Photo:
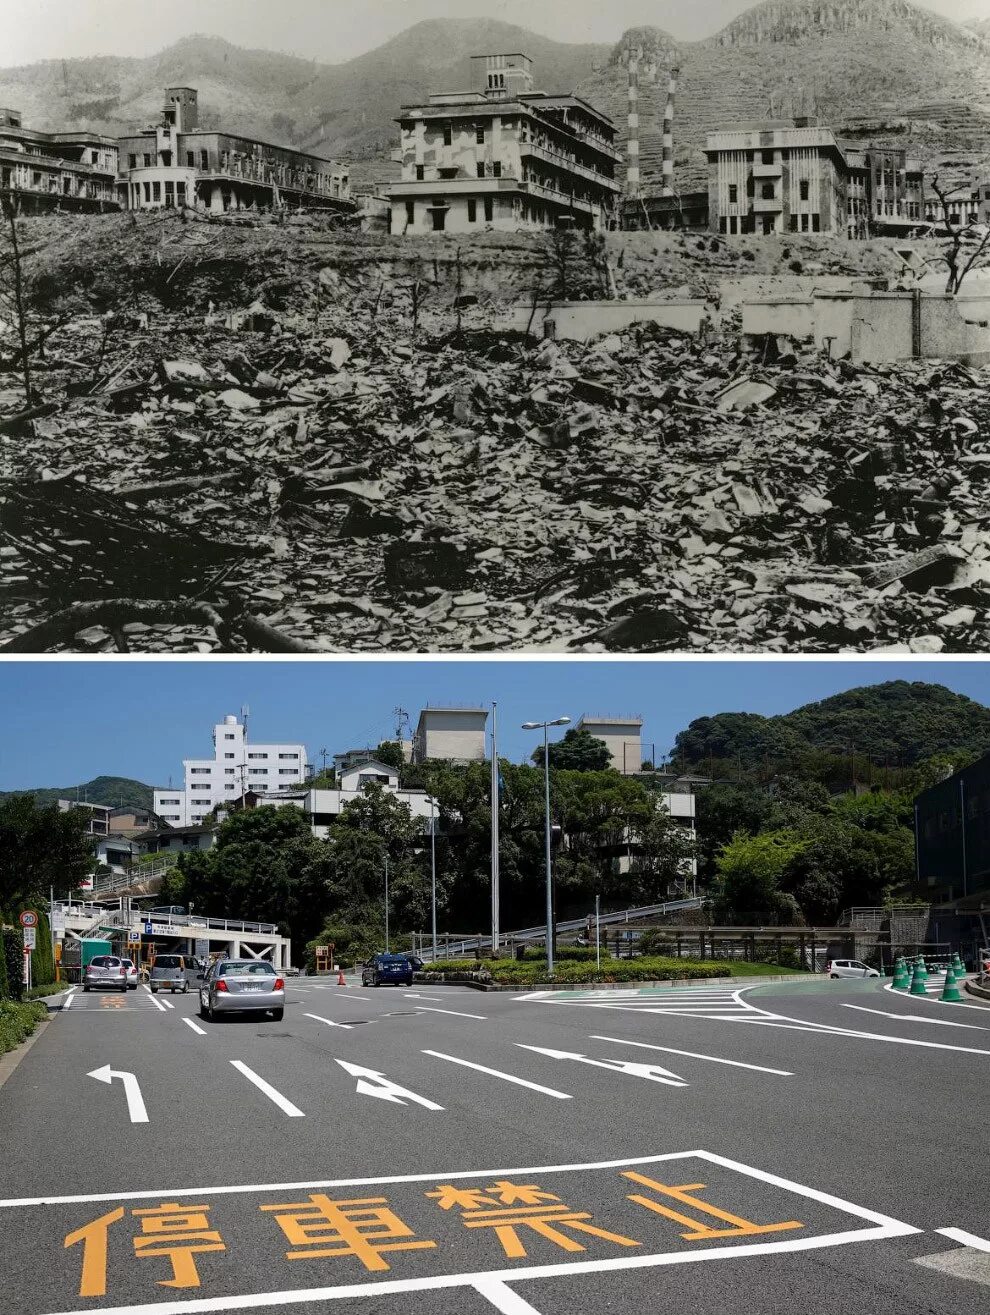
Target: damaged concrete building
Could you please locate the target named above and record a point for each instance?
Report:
(504, 156)
(177, 163)
(40, 171)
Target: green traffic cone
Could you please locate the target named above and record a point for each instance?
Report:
(902, 978)
(958, 967)
(918, 980)
(950, 991)
(921, 967)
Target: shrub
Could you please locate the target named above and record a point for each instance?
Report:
(18, 1021)
(13, 953)
(796, 267)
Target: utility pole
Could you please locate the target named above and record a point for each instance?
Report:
(495, 822)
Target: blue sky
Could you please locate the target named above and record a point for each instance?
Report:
(65, 722)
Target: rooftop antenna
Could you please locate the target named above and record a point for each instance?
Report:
(245, 713)
(401, 720)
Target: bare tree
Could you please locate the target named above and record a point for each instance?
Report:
(10, 264)
(968, 247)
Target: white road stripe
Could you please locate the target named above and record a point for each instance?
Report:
(713, 1059)
(411, 995)
(156, 1002)
(67, 1002)
(329, 1022)
(824, 1030)
(426, 1009)
(967, 1239)
(494, 1073)
(285, 1105)
(914, 1018)
(195, 1026)
(168, 1004)
(503, 1298)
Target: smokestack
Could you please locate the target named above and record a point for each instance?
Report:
(667, 162)
(632, 145)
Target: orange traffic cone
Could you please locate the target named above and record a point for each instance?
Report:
(340, 978)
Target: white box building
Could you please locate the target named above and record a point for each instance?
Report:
(456, 735)
(622, 737)
(237, 765)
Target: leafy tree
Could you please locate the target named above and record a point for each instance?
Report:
(578, 751)
(390, 753)
(749, 870)
(39, 848)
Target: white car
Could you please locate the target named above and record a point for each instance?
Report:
(850, 968)
(132, 974)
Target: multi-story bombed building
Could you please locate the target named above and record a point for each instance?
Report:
(176, 163)
(885, 192)
(504, 156)
(776, 178)
(71, 170)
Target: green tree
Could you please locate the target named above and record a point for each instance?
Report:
(578, 751)
(749, 872)
(389, 752)
(39, 848)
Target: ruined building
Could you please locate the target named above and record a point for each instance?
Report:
(177, 163)
(504, 156)
(56, 170)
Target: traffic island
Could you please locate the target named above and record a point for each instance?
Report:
(983, 992)
(511, 974)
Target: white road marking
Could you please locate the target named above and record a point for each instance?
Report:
(967, 1239)
(195, 1026)
(689, 1054)
(883, 1228)
(914, 1018)
(285, 1105)
(495, 1073)
(168, 1004)
(503, 1298)
(329, 1022)
(824, 1030)
(960, 1263)
(411, 995)
(154, 1000)
(948, 1003)
(67, 1002)
(652, 1072)
(425, 1009)
(382, 1088)
(135, 1101)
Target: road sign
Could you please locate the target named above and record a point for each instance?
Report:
(29, 939)
(148, 928)
(29, 918)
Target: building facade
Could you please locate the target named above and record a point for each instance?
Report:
(504, 157)
(56, 170)
(952, 835)
(885, 192)
(176, 164)
(621, 735)
(236, 765)
(97, 815)
(456, 735)
(776, 178)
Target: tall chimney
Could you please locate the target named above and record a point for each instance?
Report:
(632, 144)
(667, 162)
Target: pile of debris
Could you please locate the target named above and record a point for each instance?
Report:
(368, 478)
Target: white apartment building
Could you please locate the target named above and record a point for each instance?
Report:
(456, 735)
(621, 736)
(237, 765)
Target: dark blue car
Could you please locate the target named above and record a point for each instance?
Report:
(394, 968)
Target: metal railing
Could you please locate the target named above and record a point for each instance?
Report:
(468, 945)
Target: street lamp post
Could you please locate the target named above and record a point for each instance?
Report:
(386, 901)
(534, 726)
(433, 875)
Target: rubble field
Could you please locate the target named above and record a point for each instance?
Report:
(299, 450)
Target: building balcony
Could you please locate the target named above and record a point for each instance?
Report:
(568, 165)
(767, 170)
(767, 205)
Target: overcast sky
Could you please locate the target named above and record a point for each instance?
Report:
(335, 30)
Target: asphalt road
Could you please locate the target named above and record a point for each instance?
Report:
(780, 1149)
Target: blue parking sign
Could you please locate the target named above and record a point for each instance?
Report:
(147, 929)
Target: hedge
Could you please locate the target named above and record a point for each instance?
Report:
(18, 1021)
(509, 972)
(13, 954)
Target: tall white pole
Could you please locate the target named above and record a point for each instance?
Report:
(546, 802)
(495, 821)
(598, 935)
(433, 872)
(386, 901)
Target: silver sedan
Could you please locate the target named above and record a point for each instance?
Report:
(241, 986)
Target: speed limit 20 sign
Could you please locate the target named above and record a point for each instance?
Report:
(29, 918)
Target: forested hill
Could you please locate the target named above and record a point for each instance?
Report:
(901, 721)
(115, 791)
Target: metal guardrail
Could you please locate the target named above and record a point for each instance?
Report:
(468, 945)
(181, 923)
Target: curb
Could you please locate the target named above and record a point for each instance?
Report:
(973, 989)
(679, 983)
(9, 1061)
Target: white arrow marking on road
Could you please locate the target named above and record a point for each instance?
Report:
(135, 1101)
(690, 1054)
(382, 1088)
(329, 1021)
(652, 1072)
(914, 1018)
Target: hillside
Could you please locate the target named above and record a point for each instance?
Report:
(905, 722)
(117, 791)
(874, 69)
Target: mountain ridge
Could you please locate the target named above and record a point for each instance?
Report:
(115, 791)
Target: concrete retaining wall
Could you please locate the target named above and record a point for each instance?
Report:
(581, 320)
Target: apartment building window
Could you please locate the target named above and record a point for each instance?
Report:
(419, 173)
(180, 193)
(199, 771)
(767, 191)
(289, 755)
(805, 189)
(479, 134)
(147, 160)
(35, 178)
(816, 223)
(497, 169)
(199, 786)
(481, 168)
(170, 194)
(190, 159)
(489, 209)
(287, 771)
(257, 755)
(156, 191)
(229, 771)
(448, 136)
(257, 771)
(472, 209)
(170, 803)
(229, 735)
(132, 162)
(766, 157)
(733, 193)
(204, 159)
(410, 212)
